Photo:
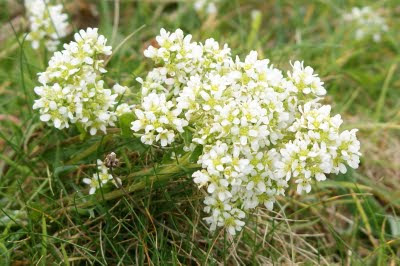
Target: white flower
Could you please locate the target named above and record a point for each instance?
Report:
(93, 183)
(47, 23)
(123, 108)
(165, 136)
(232, 220)
(102, 176)
(201, 178)
(368, 23)
(303, 184)
(305, 80)
(119, 89)
(207, 6)
(158, 119)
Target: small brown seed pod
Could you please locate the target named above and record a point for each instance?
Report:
(111, 160)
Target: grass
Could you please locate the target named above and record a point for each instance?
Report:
(47, 217)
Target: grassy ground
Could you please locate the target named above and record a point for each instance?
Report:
(46, 216)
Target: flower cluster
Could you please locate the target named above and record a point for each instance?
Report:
(72, 90)
(159, 120)
(259, 129)
(47, 23)
(101, 178)
(368, 23)
(207, 6)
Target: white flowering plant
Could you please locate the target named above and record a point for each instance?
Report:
(208, 7)
(101, 178)
(72, 90)
(257, 129)
(369, 23)
(47, 23)
(254, 130)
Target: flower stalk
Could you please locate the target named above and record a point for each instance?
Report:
(144, 177)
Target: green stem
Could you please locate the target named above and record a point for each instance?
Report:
(166, 173)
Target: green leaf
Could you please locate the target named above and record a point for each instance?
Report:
(36, 211)
(65, 169)
(394, 223)
(187, 136)
(4, 255)
(44, 241)
(125, 121)
(196, 154)
(81, 130)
